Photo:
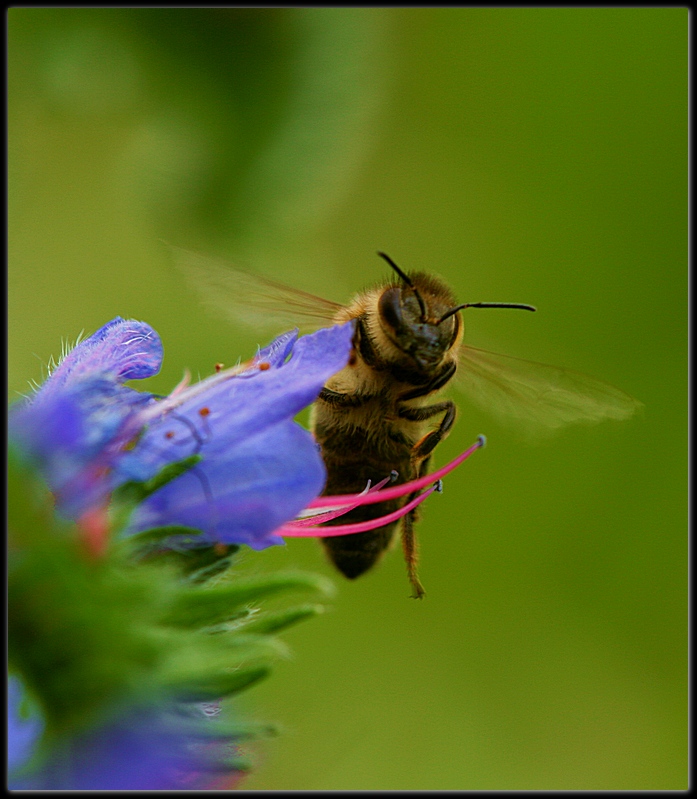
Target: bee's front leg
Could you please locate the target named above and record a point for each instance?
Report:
(431, 440)
(436, 383)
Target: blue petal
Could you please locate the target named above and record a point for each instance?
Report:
(76, 428)
(258, 470)
(244, 493)
(73, 437)
(241, 407)
(69, 429)
(123, 348)
(279, 349)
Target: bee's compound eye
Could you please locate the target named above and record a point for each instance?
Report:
(456, 323)
(390, 307)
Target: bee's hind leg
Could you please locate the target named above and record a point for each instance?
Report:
(421, 454)
(410, 543)
(411, 554)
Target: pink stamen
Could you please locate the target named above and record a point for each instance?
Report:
(382, 483)
(400, 490)
(317, 518)
(359, 527)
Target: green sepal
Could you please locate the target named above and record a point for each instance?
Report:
(166, 474)
(204, 659)
(196, 563)
(236, 730)
(217, 764)
(214, 605)
(208, 562)
(239, 762)
(219, 684)
(223, 727)
(156, 535)
(85, 633)
(199, 564)
(280, 620)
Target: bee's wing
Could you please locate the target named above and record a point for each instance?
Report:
(536, 397)
(252, 299)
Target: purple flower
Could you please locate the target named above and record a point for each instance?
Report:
(259, 468)
(165, 746)
(24, 725)
(89, 434)
(108, 453)
(70, 429)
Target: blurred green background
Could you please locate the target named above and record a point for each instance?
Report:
(526, 155)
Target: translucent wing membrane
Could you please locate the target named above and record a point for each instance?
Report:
(535, 397)
(251, 299)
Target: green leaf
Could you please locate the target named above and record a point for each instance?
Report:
(71, 634)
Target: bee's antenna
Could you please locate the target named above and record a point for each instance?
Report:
(407, 280)
(520, 306)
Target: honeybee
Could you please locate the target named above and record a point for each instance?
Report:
(377, 415)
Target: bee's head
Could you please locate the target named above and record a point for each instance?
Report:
(421, 319)
(415, 317)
